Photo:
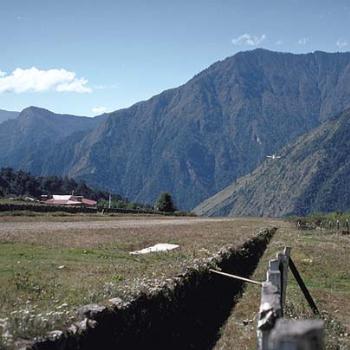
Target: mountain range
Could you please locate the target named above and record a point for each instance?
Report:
(193, 140)
(312, 175)
(6, 115)
(31, 140)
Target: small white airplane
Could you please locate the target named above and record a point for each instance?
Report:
(273, 157)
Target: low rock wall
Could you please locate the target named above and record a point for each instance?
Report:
(43, 208)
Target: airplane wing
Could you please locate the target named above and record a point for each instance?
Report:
(269, 157)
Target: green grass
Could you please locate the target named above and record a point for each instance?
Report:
(37, 280)
(42, 270)
(45, 274)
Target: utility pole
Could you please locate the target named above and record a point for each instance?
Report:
(109, 201)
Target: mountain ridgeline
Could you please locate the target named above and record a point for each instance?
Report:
(38, 139)
(6, 115)
(312, 175)
(191, 141)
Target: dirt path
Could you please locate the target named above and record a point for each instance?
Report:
(8, 227)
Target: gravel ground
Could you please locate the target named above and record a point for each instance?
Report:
(40, 226)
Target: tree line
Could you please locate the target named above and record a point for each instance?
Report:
(22, 184)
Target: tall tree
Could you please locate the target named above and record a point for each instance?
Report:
(165, 203)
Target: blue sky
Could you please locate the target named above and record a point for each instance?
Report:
(86, 56)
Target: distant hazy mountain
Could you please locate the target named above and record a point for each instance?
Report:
(28, 142)
(6, 115)
(194, 140)
(312, 175)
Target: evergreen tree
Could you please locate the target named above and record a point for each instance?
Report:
(165, 203)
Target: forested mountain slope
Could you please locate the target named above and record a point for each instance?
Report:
(195, 140)
(313, 175)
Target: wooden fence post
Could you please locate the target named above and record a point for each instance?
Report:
(303, 287)
(273, 274)
(273, 333)
(284, 265)
(270, 311)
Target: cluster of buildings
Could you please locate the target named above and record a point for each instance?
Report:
(68, 200)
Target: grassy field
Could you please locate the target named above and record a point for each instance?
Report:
(322, 258)
(50, 265)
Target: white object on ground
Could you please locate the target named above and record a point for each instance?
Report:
(159, 247)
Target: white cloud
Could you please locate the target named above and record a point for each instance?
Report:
(76, 85)
(99, 110)
(248, 39)
(341, 43)
(36, 80)
(279, 42)
(303, 41)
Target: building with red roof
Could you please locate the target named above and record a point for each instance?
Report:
(70, 200)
